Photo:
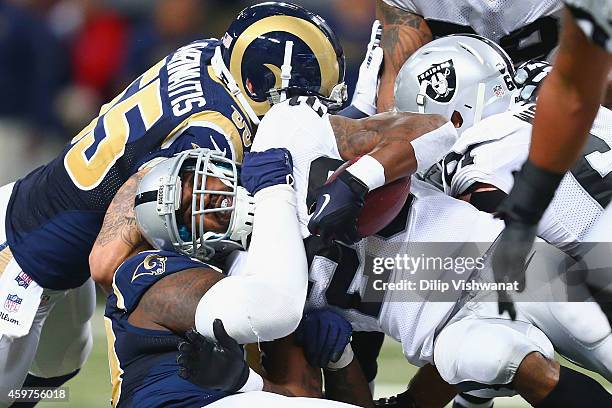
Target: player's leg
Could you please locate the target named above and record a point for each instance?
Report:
(597, 259)
(578, 330)
(22, 313)
(17, 353)
(270, 400)
(494, 356)
(65, 341)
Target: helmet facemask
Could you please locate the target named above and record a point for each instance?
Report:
(187, 222)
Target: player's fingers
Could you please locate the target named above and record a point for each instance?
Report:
(331, 354)
(183, 373)
(185, 347)
(377, 57)
(183, 360)
(221, 335)
(376, 30)
(195, 338)
(323, 347)
(299, 332)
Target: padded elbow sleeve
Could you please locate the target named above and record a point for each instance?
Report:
(251, 309)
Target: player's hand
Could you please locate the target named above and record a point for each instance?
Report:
(529, 76)
(268, 168)
(364, 97)
(534, 188)
(324, 335)
(403, 400)
(510, 259)
(216, 365)
(339, 204)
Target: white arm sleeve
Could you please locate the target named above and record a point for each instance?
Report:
(432, 146)
(266, 301)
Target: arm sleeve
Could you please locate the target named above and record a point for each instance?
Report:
(265, 302)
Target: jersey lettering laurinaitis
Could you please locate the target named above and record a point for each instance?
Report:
(56, 211)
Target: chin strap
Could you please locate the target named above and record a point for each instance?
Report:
(480, 103)
(286, 70)
(420, 97)
(241, 224)
(228, 80)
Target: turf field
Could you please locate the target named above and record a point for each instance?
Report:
(91, 388)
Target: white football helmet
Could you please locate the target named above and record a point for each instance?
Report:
(467, 74)
(157, 205)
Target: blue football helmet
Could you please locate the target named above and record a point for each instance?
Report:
(277, 50)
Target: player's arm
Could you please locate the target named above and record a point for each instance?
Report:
(392, 145)
(567, 104)
(569, 100)
(119, 237)
(348, 385)
(325, 338)
(285, 365)
(403, 33)
(267, 298)
(391, 139)
(171, 304)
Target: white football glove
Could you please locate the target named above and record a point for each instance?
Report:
(364, 98)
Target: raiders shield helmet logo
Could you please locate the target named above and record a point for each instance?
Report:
(440, 81)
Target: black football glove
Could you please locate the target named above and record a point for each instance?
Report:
(521, 211)
(339, 204)
(212, 365)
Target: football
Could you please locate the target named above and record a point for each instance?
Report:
(381, 205)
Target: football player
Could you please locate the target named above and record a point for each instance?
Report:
(567, 105)
(526, 29)
(204, 94)
(479, 170)
(480, 97)
(159, 295)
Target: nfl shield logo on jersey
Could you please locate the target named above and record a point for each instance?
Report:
(440, 80)
(23, 279)
(12, 303)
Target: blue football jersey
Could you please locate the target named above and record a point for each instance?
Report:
(144, 372)
(56, 211)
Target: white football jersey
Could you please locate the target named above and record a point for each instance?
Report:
(526, 29)
(594, 17)
(498, 145)
(344, 278)
(339, 277)
(301, 125)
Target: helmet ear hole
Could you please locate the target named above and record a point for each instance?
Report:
(457, 119)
